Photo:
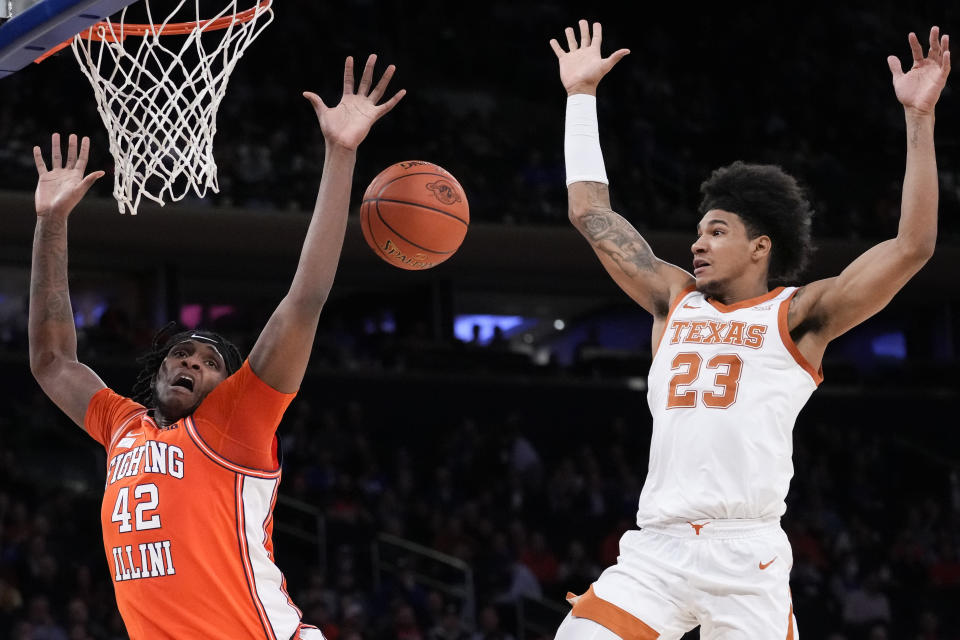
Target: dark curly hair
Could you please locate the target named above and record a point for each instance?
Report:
(164, 339)
(771, 203)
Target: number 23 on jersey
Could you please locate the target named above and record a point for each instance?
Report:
(688, 367)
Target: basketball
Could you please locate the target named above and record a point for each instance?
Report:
(414, 215)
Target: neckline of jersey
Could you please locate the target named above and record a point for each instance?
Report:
(749, 302)
(156, 423)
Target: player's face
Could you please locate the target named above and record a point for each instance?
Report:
(190, 371)
(722, 250)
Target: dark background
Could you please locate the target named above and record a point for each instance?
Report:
(524, 456)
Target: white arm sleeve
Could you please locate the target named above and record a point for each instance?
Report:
(581, 141)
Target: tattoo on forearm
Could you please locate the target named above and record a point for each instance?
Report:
(914, 134)
(49, 291)
(610, 233)
(596, 224)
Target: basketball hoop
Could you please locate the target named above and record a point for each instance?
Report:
(159, 103)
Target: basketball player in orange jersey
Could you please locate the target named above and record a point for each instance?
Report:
(192, 475)
(734, 362)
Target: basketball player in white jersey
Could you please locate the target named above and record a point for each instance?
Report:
(734, 362)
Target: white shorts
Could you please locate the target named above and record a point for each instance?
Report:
(731, 577)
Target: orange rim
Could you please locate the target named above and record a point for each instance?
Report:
(169, 29)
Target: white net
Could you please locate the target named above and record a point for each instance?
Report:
(158, 87)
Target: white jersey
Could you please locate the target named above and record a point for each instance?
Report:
(725, 387)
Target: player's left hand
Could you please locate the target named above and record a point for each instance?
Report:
(347, 124)
(920, 87)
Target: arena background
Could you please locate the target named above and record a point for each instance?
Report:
(443, 484)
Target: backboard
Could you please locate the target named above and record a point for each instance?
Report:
(33, 30)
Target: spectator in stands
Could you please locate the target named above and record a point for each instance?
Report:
(489, 626)
(450, 626)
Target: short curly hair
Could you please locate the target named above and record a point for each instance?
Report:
(163, 341)
(770, 202)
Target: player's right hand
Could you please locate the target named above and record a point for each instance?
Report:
(63, 186)
(582, 67)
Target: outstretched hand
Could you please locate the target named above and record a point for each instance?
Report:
(63, 186)
(582, 68)
(920, 87)
(348, 123)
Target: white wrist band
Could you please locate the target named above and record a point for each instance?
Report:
(581, 141)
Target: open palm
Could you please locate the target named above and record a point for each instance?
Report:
(920, 87)
(582, 67)
(63, 186)
(348, 123)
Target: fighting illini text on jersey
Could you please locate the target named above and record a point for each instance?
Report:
(188, 533)
(725, 387)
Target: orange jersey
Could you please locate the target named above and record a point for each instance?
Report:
(187, 532)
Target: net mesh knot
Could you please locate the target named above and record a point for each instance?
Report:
(158, 88)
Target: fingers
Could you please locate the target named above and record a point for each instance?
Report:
(939, 50)
(586, 40)
(391, 103)
(87, 182)
(56, 161)
(75, 160)
(615, 57)
(895, 67)
(315, 101)
(381, 87)
(71, 151)
(944, 54)
(81, 160)
(584, 33)
(38, 158)
(348, 76)
(363, 89)
(915, 48)
(935, 42)
(557, 49)
(367, 76)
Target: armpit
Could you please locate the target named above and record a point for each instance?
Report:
(801, 319)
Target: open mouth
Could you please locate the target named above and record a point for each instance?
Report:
(699, 265)
(183, 381)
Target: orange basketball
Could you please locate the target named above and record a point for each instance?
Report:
(414, 215)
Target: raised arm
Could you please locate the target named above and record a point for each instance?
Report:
(832, 306)
(626, 256)
(52, 335)
(280, 354)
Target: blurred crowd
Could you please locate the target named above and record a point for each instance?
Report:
(812, 99)
(530, 485)
(527, 472)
